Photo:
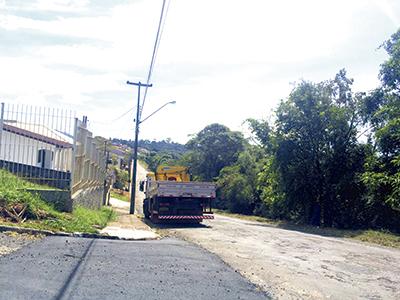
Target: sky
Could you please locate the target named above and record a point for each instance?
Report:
(221, 60)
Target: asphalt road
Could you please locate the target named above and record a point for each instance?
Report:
(79, 268)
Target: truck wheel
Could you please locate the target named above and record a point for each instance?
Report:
(154, 218)
(146, 209)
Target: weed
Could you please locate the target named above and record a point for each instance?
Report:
(40, 215)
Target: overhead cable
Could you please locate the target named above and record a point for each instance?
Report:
(160, 29)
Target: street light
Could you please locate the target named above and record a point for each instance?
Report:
(135, 150)
(157, 110)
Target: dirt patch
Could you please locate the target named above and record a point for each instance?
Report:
(297, 265)
(11, 241)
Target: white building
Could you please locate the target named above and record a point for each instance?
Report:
(36, 145)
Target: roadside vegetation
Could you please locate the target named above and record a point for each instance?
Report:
(326, 157)
(17, 206)
(120, 195)
(379, 237)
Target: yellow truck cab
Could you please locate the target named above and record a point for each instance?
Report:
(173, 173)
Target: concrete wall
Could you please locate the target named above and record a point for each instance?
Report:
(91, 197)
(63, 201)
(60, 199)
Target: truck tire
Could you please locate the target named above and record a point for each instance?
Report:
(154, 218)
(146, 209)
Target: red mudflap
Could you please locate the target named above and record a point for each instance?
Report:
(185, 217)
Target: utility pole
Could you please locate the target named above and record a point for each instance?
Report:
(106, 190)
(1, 125)
(135, 149)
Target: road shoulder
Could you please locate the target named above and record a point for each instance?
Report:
(11, 241)
(127, 226)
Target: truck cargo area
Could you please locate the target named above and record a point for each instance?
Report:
(176, 199)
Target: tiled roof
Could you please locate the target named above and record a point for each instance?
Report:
(53, 140)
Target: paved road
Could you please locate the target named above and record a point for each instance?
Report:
(296, 265)
(78, 268)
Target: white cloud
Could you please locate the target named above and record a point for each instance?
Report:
(222, 61)
(387, 7)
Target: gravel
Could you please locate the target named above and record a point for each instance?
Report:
(12, 241)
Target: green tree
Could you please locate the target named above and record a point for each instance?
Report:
(382, 113)
(212, 149)
(314, 157)
(237, 184)
(121, 178)
(155, 159)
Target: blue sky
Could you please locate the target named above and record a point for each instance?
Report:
(222, 61)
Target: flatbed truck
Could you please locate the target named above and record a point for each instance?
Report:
(170, 195)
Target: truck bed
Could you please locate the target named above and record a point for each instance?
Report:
(183, 189)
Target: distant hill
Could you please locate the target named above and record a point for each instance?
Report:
(156, 146)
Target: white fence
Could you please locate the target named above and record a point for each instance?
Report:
(50, 146)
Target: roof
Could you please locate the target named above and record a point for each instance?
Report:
(40, 133)
(118, 152)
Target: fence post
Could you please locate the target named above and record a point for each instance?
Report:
(1, 125)
(73, 160)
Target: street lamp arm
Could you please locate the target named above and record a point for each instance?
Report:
(157, 110)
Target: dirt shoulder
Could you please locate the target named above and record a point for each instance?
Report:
(379, 237)
(298, 265)
(12, 241)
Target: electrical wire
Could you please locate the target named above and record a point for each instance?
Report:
(108, 122)
(155, 49)
(152, 63)
(124, 114)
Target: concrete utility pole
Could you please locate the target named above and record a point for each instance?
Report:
(135, 149)
(1, 124)
(106, 191)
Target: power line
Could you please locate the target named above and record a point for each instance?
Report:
(124, 114)
(160, 30)
(108, 122)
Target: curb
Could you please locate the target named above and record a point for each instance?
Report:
(33, 231)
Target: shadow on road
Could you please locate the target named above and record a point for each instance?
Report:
(174, 225)
(321, 231)
(62, 294)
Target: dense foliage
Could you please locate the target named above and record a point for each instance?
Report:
(153, 159)
(213, 148)
(330, 157)
(121, 178)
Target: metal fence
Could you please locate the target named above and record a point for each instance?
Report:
(49, 146)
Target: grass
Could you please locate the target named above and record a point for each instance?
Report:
(246, 217)
(118, 196)
(81, 220)
(143, 164)
(8, 180)
(40, 215)
(383, 238)
(379, 237)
